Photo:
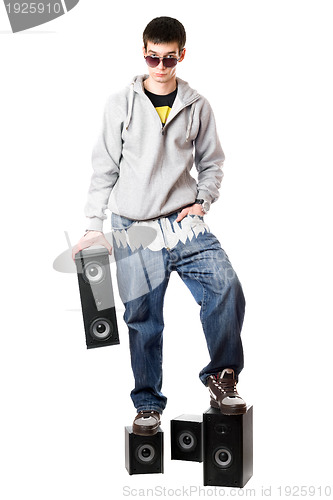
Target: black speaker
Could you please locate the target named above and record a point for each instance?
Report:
(143, 454)
(186, 438)
(228, 448)
(97, 301)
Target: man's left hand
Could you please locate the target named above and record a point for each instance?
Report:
(194, 209)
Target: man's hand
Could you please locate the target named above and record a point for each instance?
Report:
(194, 209)
(89, 239)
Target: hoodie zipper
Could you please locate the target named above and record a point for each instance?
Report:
(181, 109)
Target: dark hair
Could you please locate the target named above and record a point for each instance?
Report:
(165, 30)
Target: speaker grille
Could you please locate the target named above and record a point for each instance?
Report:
(97, 301)
(228, 448)
(186, 438)
(143, 454)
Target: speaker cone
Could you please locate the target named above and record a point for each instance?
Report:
(93, 272)
(101, 329)
(187, 441)
(145, 453)
(222, 458)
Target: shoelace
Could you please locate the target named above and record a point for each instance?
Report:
(226, 384)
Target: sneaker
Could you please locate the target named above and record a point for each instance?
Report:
(146, 423)
(223, 393)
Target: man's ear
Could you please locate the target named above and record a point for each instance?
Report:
(144, 51)
(182, 55)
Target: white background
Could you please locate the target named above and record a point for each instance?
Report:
(265, 66)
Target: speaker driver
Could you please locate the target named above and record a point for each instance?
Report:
(93, 272)
(146, 453)
(222, 458)
(187, 441)
(101, 329)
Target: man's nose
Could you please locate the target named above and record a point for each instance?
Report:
(161, 65)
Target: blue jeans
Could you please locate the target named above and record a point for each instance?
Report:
(143, 273)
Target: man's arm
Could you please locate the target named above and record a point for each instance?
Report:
(209, 156)
(209, 159)
(105, 162)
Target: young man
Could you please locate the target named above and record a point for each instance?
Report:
(153, 133)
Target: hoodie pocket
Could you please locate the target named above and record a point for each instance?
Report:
(119, 222)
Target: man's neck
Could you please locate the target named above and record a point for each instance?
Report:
(160, 88)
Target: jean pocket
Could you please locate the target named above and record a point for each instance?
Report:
(119, 222)
(201, 217)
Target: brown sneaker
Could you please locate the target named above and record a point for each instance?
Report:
(146, 423)
(223, 393)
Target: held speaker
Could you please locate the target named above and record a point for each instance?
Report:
(97, 301)
(143, 454)
(228, 448)
(186, 438)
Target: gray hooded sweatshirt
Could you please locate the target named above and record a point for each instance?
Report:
(141, 170)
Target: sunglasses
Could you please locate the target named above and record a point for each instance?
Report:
(154, 61)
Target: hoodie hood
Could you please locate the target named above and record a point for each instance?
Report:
(186, 96)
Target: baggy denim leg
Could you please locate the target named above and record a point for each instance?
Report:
(142, 282)
(206, 270)
(144, 318)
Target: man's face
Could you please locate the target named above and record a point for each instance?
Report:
(161, 74)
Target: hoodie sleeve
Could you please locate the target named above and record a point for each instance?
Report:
(209, 157)
(105, 162)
